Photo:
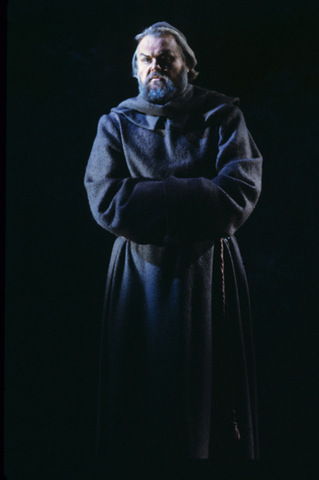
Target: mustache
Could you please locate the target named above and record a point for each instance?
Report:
(155, 74)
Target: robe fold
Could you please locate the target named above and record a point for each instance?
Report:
(173, 183)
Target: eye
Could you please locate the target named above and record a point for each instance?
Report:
(167, 60)
(145, 60)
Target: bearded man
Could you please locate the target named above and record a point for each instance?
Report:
(173, 173)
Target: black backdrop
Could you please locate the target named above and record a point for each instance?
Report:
(68, 63)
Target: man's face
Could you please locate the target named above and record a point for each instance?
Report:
(161, 70)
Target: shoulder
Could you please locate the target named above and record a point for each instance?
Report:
(108, 119)
(109, 130)
(109, 123)
(211, 99)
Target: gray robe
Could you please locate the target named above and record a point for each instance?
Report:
(177, 366)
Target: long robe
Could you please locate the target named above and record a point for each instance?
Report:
(173, 183)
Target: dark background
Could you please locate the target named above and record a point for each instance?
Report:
(68, 63)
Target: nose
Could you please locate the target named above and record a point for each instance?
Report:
(155, 65)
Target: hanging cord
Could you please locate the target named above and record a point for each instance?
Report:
(222, 269)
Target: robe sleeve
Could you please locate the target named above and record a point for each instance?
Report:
(134, 208)
(175, 210)
(200, 208)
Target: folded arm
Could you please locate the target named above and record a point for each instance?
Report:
(174, 210)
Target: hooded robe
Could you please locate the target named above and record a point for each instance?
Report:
(173, 183)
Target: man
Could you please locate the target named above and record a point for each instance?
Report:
(173, 173)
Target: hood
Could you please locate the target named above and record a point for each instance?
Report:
(193, 100)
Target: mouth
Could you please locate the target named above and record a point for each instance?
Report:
(156, 78)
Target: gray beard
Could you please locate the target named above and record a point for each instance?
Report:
(166, 92)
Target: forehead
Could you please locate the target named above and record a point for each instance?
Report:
(150, 45)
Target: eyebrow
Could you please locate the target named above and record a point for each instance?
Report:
(161, 53)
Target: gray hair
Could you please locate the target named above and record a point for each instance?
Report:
(160, 30)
